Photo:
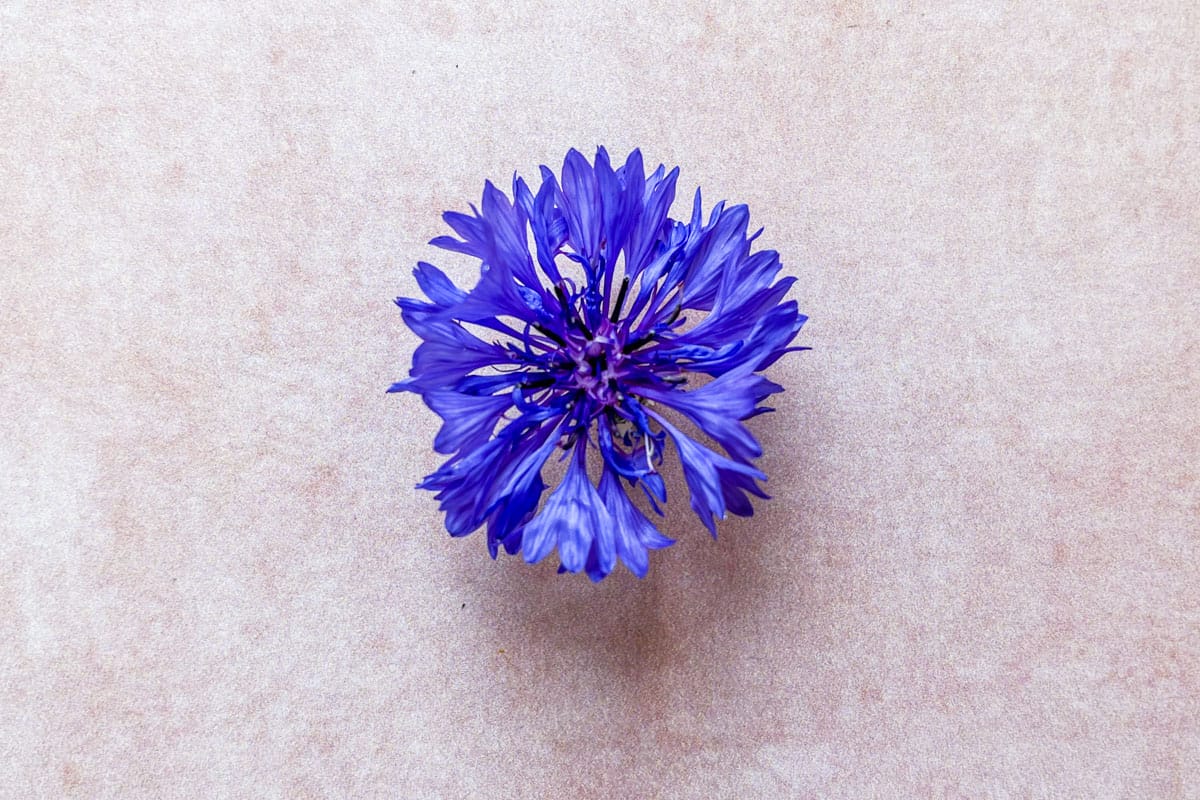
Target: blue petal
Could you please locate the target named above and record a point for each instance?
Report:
(634, 465)
(546, 221)
(509, 245)
(504, 523)
(572, 518)
(766, 343)
(602, 554)
(458, 484)
(717, 407)
(449, 351)
(467, 483)
(670, 353)
(714, 256)
(580, 201)
(467, 418)
(413, 305)
(526, 470)
(622, 201)
(436, 286)
(489, 384)
(733, 323)
(733, 486)
(471, 229)
(496, 294)
(754, 272)
(644, 234)
(634, 533)
(704, 472)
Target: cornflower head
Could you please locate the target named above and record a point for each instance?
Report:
(586, 352)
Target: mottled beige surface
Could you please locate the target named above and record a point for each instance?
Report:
(980, 574)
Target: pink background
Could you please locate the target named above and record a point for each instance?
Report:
(979, 574)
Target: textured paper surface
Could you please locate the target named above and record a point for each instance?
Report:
(978, 577)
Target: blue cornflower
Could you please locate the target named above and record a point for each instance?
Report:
(586, 352)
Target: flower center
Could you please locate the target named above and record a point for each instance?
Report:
(598, 365)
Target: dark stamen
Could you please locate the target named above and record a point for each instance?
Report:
(636, 343)
(549, 334)
(674, 315)
(616, 312)
(569, 311)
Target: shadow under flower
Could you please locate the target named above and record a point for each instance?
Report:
(682, 638)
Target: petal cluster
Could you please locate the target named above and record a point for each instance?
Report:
(597, 325)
